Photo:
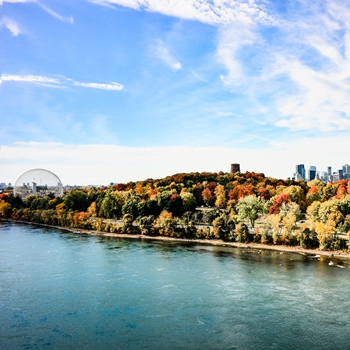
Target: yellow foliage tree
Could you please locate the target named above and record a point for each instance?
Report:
(5, 209)
(272, 223)
(220, 193)
(288, 225)
(92, 209)
(165, 224)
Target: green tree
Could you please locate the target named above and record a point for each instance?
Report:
(251, 208)
(111, 204)
(163, 198)
(76, 200)
(188, 201)
(15, 201)
(131, 205)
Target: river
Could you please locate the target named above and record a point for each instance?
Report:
(60, 290)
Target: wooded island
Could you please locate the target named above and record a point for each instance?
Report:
(239, 207)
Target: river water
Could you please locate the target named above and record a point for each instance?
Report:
(60, 290)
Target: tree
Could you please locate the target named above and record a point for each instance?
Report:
(174, 205)
(165, 224)
(109, 207)
(76, 200)
(324, 218)
(146, 225)
(188, 201)
(5, 209)
(290, 208)
(341, 191)
(313, 195)
(14, 201)
(207, 196)
(274, 205)
(240, 191)
(163, 198)
(111, 204)
(131, 205)
(251, 208)
(295, 194)
(92, 209)
(220, 194)
(128, 226)
(151, 208)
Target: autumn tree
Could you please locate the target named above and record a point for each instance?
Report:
(165, 224)
(275, 203)
(324, 219)
(5, 209)
(240, 191)
(208, 197)
(220, 194)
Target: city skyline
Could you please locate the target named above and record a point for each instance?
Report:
(329, 174)
(103, 91)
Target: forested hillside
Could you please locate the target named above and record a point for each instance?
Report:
(232, 207)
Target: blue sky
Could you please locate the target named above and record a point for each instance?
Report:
(106, 91)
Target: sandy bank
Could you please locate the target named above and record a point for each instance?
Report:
(291, 249)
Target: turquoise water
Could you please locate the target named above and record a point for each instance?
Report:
(60, 290)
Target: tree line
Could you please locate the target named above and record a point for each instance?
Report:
(242, 207)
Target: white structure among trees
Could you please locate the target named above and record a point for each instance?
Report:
(39, 182)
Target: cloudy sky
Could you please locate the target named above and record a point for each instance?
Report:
(102, 91)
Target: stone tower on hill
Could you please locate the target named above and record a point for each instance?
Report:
(235, 167)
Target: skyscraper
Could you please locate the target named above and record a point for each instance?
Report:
(312, 173)
(300, 172)
(346, 171)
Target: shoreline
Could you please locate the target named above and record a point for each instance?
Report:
(216, 242)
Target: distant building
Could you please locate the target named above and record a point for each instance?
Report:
(312, 173)
(300, 172)
(323, 176)
(39, 182)
(34, 188)
(235, 167)
(340, 172)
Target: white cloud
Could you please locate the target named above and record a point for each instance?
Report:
(318, 98)
(36, 79)
(101, 163)
(231, 40)
(11, 25)
(17, 1)
(45, 8)
(199, 77)
(102, 3)
(162, 52)
(60, 82)
(55, 14)
(110, 86)
(214, 12)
